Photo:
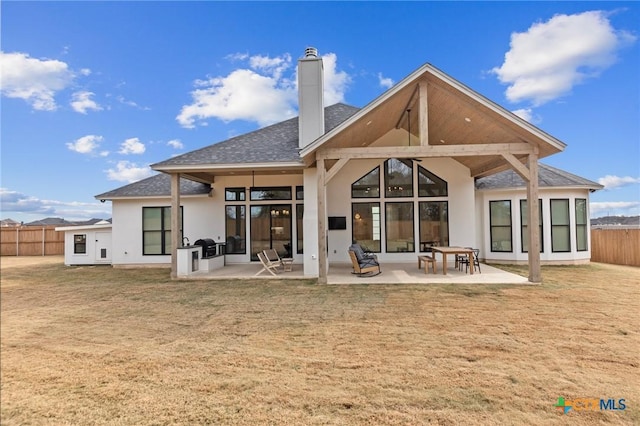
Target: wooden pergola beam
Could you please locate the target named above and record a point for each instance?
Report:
(425, 151)
(423, 115)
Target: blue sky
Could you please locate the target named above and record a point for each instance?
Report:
(95, 92)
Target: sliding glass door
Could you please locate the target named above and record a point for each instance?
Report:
(271, 228)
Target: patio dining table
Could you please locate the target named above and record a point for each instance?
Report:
(455, 251)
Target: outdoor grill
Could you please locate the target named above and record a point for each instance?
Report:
(208, 247)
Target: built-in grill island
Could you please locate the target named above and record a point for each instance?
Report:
(208, 247)
(205, 255)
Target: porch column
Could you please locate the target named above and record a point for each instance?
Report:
(310, 222)
(535, 275)
(322, 219)
(175, 223)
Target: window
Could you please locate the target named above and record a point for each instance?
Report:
(366, 225)
(500, 225)
(560, 232)
(524, 229)
(271, 193)
(398, 178)
(399, 227)
(234, 194)
(434, 224)
(80, 244)
(581, 224)
(235, 228)
(156, 230)
(430, 185)
(299, 228)
(368, 186)
(299, 192)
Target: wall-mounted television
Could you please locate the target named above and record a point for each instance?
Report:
(337, 222)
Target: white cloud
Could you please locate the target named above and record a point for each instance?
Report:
(524, 113)
(16, 202)
(335, 82)
(132, 146)
(126, 171)
(86, 145)
(175, 143)
(385, 82)
(550, 58)
(261, 93)
(34, 80)
(611, 182)
(614, 208)
(82, 102)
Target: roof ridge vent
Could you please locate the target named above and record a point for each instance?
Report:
(310, 52)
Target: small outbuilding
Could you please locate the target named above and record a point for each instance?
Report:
(87, 244)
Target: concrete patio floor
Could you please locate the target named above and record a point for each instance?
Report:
(392, 273)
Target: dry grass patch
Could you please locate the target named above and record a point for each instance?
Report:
(111, 346)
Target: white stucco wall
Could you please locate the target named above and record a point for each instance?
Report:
(127, 227)
(545, 195)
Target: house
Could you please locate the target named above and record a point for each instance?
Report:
(429, 162)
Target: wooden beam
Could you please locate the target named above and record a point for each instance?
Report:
(518, 167)
(423, 115)
(322, 219)
(471, 150)
(175, 223)
(335, 169)
(535, 275)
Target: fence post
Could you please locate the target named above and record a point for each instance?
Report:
(17, 242)
(43, 241)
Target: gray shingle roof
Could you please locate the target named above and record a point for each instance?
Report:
(272, 144)
(158, 185)
(547, 177)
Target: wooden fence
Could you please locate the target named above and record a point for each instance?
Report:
(617, 246)
(31, 241)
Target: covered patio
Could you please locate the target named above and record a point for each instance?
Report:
(392, 273)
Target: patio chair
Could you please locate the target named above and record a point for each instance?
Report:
(267, 265)
(464, 260)
(273, 256)
(363, 265)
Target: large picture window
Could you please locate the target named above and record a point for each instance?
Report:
(500, 225)
(581, 224)
(524, 228)
(399, 227)
(236, 226)
(368, 186)
(366, 225)
(434, 224)
(560, 231)
(156, 230)
(398, 178)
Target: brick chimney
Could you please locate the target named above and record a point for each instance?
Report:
(310, 97)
